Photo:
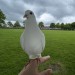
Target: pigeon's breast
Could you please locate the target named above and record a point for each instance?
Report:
(33, 43)
(32, 38)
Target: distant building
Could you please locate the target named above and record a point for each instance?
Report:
(46, 28)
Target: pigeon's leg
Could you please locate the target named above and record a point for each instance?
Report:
(38, 60)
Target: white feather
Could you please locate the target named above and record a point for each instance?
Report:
(32, 39)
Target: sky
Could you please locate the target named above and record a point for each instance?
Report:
(47, 11)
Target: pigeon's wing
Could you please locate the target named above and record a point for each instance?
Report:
(22, 40)
(43, 41)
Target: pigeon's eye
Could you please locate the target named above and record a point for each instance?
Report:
(31, 13)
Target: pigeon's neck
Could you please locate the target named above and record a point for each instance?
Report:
(31, 22)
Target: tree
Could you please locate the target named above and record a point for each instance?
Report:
(41, 24)
(57, 25)
(10, 24)
(73, 25)
(62, 25)
(68, 26)
(52, 25)
(2, 18)
(0, 25)
(17, 24)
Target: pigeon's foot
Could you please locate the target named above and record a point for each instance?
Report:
(36, 59)
(31, 60)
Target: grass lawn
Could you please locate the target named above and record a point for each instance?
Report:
(60, 45)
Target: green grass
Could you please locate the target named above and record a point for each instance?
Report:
(60, 45)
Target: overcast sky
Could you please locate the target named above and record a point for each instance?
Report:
(47, 11)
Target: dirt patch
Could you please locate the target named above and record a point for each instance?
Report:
(57, 68)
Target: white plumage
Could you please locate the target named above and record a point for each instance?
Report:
(32, 39)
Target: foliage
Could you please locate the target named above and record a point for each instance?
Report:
(52, 25)
(41, 24)
(17, 24)
(2, 18)
(62, 25)
(67, 26)
(73, 25)
(57, 25)
(10, 24)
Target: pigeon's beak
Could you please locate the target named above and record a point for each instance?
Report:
(25, 16)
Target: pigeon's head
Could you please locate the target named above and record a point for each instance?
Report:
(28, 14)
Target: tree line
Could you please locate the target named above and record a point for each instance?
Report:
(9, 24)
(67, 26)
(62, 26)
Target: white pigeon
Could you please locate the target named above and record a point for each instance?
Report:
(32, 39)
